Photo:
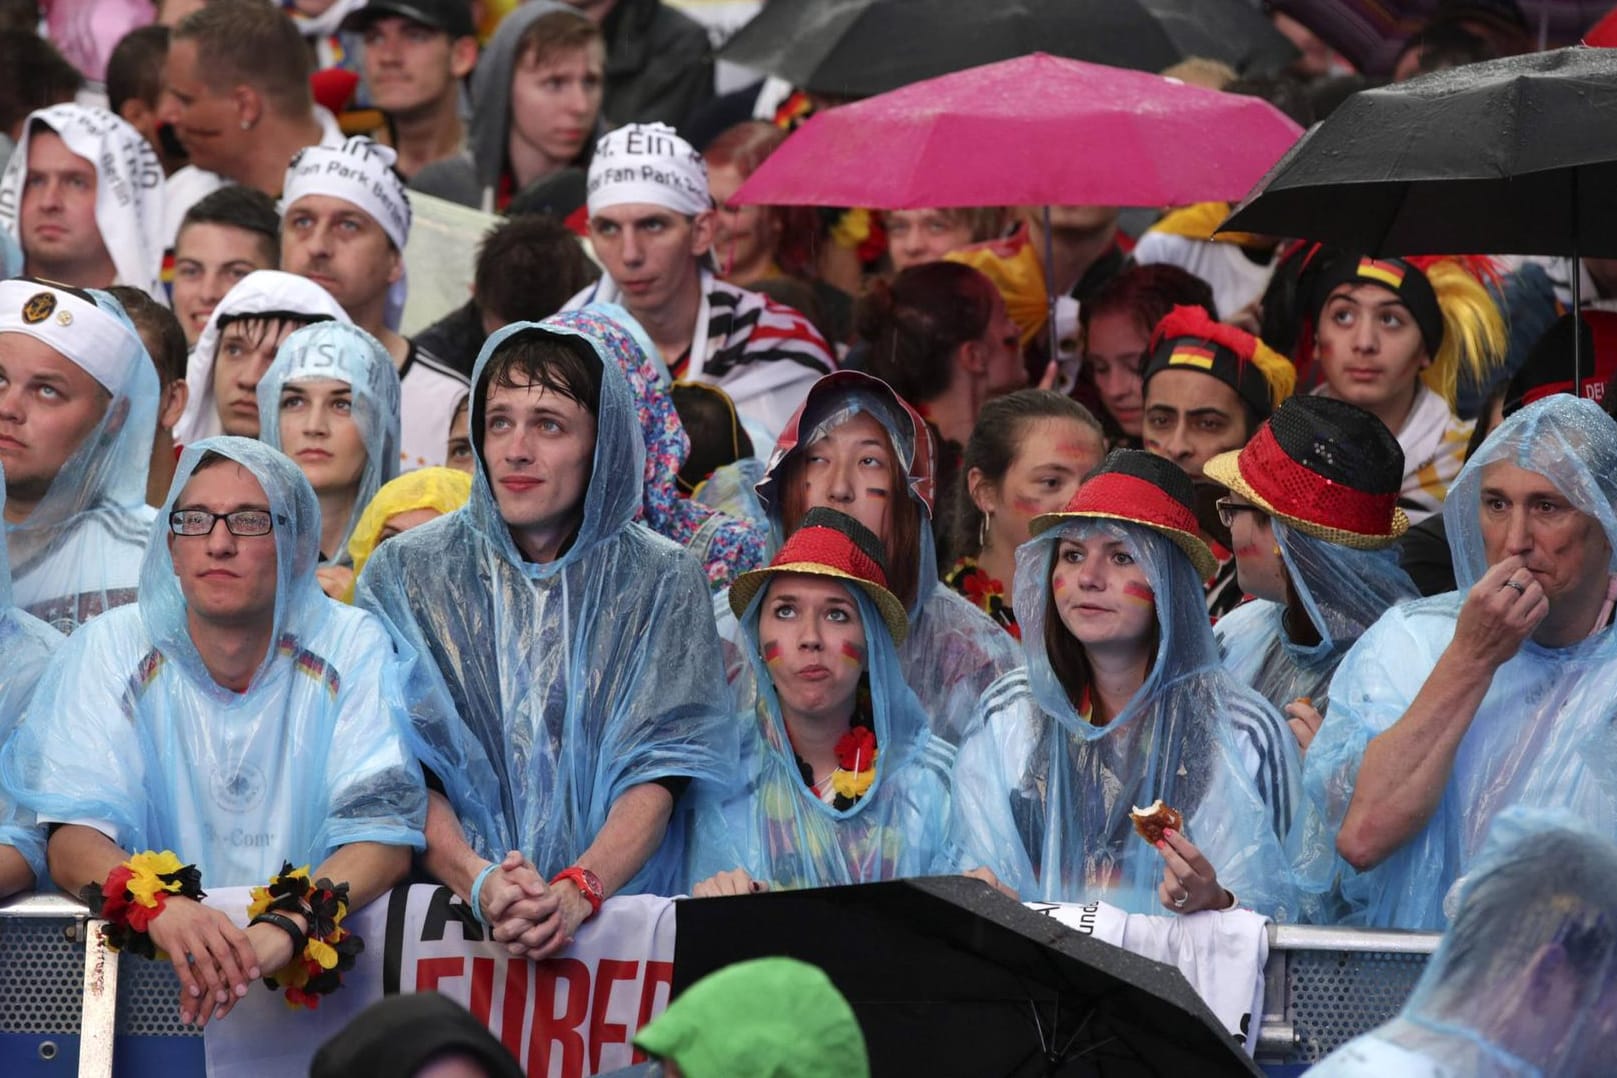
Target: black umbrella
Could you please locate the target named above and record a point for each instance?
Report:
(950, 977)
(857, 48)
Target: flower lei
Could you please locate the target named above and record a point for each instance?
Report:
(135, 893)
(984, 592)
(856, 756)
(330, 949)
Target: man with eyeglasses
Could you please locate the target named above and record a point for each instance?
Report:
(235, 716)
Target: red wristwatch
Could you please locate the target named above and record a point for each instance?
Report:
(588, 883)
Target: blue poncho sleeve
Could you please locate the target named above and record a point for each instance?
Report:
(27, 644)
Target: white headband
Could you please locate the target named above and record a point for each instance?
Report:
(648, 163)
(359, 171)
(106, 347)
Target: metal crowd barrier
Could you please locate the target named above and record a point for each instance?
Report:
(60, 1016)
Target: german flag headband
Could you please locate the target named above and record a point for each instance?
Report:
(1394, 274)
(1188, 338)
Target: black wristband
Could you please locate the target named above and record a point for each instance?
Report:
(300, 938)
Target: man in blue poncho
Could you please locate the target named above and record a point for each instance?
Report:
(234, 716)
(1453, 708)
(78, 409)
(569, 685)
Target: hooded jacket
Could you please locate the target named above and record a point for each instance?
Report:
(659, 64)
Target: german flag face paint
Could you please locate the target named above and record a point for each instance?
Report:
(1136, 592)
(771, 652)
(852, 653)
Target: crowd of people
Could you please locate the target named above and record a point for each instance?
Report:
(711, 549)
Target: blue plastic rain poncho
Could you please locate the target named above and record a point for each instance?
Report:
(953, 651)
(725, 546)
(770, 823)
(544, 691)
(1343, 592)
(1525, 980)
(344, 353)
(1042, 797)
(26, 644)
(130, 732)
(1541, 735)
(79, 551)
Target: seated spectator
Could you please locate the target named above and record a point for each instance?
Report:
(835, 728)
(135, 88)
(415, 57)
(83, 196)
(346, 222)
(855, 447)
(239, 343)
(405, 502)
(917, 236)
(1027, 455)
(717, 438)
(330, 401)
(78, 405)
(160, 333)
(224, 237)
(568, 685)
(536, 109)
(415, 1035)
(1452, 709)
(1124, 703)
(1393, 337)
(659, 60)
(653, 235)
(1312, 507)
(1524, 979)
(458, 454)
(127, 747)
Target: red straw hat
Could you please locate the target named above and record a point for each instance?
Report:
(1141, 488)
(829, 544)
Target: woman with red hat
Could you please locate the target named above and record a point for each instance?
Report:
(1124, 703)
(854, 446)
(841, 780)
(1313, 512)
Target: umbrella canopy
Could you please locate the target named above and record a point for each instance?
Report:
(1035, 131)
(1503, 157)
(948, 976)
(856, 48)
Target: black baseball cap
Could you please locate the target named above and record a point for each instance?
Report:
(454, 17)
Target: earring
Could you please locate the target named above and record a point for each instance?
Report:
(245, 126)
(982, 531)
(1277, 550)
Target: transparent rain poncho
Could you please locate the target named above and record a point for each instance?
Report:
(129, 732)
(79, 552)
(771, 824)
(1343, 592)
(953, 651)
(544, 691)
(1042, 797)
(27, 644)
(1541, 736)
(343, 353)
(1525, 980)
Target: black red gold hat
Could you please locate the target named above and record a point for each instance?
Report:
(1328, 468)
(1397, 275)
(1140, 488)
(829, 544)
(1188, 338)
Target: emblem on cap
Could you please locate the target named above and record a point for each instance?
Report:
(39, 307)
(64, 318)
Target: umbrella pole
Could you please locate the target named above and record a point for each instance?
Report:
(1577, 298)
(1050, 285)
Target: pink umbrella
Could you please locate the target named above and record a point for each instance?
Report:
(1035, 131)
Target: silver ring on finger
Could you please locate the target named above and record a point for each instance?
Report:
(1179, 903)
(1517, 585)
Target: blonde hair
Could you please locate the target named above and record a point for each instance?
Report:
(1474, 333)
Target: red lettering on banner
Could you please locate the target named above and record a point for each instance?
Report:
(516, 1005)
(482, 998)
(429, 971)
(607, 972)
(658, 974)
(550, 1028)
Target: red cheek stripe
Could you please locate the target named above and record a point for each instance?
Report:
(1139, 592)
(771, 651)
(853, 653)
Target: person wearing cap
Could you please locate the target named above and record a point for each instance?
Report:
(1394, 337)
(83, 195)
(414, 1035)
(841, 779)
(569, 687)
(330, 401)
(651, 223)
(1207, 386)
(417, 52)
(856, 447)
(345, 223)
(1312, 510)
(78, 409)
(1451, 709)
(1124, 703)
(234, 716)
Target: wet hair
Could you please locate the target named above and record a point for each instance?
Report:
(554, 33)
(915, 324)
(250, 42)
(135, 68)
(159, 331)
(528, 267)
(996, 440)
(257, 325)
(33, 75)
(240, 207)
(534, 358)
(1147, 294)
(716, 434)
